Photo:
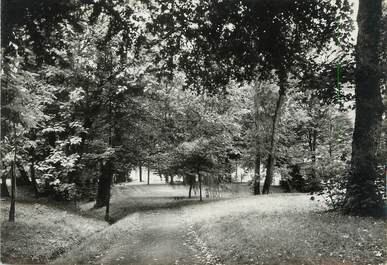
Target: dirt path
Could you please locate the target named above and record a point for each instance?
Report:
(168, 236)
(160, 239)
(157, 237)
(273, 229)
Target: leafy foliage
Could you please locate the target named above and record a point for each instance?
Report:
(184, 88)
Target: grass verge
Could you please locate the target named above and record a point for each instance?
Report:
(41, 233)
(292, 238)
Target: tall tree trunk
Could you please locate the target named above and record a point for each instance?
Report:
(107, 169)
(330, 138)
(103, 186)
(257, 127)
(257, 174)
(109, 172)
(200, 186)
(13, 194)
(140, 169)
(148, 177)
(273, 135)
(160, 174)
(362, 196)
(190, 190)
(236, 171)
(290, 188)
(13, 180)
(171, 180)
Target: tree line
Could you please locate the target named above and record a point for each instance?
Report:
(91, 90)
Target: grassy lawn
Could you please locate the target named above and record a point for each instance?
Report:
(154, 228)
(127, 198)
(293, 237)
(41, 232)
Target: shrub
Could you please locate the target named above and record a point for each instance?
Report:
(291, 179)
(333, 175)
(63, 191)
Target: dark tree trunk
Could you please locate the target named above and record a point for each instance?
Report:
(290, 188)
(190, 190)
(166, 179)
(330, 139)
(4, 188)
(273, 134)
(13, 194)
(148, 177)
(109, 172)
(140, 169)
(257, 162)
(236, 171)
(104, 182)
(257, 175)
(200, 186)
(362, 196)
(171, 180)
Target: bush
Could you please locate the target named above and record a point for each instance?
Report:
(63, 191)
(334, 176)
(285, 185)
(291, 179)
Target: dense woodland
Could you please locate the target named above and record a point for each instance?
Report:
(93, 89)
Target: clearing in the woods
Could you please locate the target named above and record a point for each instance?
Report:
(165, 229)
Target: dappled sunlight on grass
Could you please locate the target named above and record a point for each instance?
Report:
(294, 237)
(41, 232)
(273, 229)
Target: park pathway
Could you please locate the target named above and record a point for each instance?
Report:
(169, 236)
(162, 238)
(156, 237)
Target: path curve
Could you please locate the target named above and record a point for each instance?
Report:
(168, 236)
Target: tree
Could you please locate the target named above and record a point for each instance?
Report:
(312, 136)
(27, 40)
(196, 161)
(256, 127)
(234, 39)
(23, 101)
(362, 196)
(273, 133)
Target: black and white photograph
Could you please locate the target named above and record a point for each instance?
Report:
(193, 132)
